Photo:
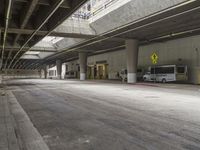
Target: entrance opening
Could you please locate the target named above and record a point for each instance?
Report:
(102, 71)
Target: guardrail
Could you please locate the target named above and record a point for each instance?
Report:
(85, 15)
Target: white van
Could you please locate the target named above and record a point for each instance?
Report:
(167, 73)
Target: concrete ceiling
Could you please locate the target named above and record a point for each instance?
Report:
(23, 23)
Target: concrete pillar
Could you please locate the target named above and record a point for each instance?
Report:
(59, 68)
(40, 73)
(83, 65)
(1, 72)
(1, 63)
(45, 72)
(1, 79)
(132, 60)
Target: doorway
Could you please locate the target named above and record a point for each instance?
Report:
(102, 71)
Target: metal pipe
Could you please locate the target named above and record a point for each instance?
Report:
(6, 29)
(151, 23)
(33, 34)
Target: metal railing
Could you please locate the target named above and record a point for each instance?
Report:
(85, 15)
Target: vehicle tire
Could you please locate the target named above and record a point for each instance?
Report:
(164, 80)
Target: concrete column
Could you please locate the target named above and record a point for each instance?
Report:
(132, 60)
(59, 68)
(1, 79)
(83, 65)
(40, 73)
(1, 63)
(45, 72)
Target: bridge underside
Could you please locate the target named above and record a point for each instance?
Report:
(175, 22)
(24, 23)
(170, 24)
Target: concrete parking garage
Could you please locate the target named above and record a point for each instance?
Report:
(86, 75)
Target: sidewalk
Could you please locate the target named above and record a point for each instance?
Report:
(16, 130)
(8, 140)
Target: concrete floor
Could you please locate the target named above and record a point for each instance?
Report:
(94, 115)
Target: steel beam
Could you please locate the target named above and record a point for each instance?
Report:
(26, 16)
(42, 33)
(46, 3)
(24, 20)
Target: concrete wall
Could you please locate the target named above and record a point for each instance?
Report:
(181, 51)
(116, 62)
(20, 73)
(131, 11)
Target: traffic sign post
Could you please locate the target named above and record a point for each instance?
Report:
(154, 59)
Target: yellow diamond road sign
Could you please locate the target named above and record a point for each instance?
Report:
(154, 62)
(154, 58)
